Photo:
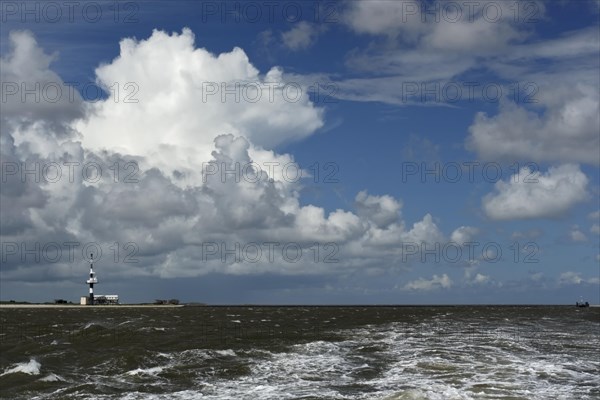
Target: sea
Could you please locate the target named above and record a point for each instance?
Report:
(301, 352)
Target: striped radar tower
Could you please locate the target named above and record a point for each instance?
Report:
(91, 280)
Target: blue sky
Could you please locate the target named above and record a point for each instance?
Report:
(505, 91)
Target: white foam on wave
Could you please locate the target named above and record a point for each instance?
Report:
(146, 371)
(152, 328)
(181, 395)
(52, 378)
(410, 394)
(32, 367)
(226, 352)
(185, 356)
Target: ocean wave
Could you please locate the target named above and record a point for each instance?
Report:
(146, 371)
(32, 367)
(52, 378)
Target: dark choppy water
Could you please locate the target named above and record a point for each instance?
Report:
(301, 353)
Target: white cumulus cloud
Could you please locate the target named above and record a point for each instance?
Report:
(464, 234)
(186, 94)
(576, 235)
(531, 194)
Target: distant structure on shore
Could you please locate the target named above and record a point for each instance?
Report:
(101, 298)
(581, 303)
(163, 301)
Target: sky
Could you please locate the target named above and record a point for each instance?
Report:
(301, 152)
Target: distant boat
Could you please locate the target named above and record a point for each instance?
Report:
(582, 304)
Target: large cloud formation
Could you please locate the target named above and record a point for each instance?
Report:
(157, 181)
(184, 95)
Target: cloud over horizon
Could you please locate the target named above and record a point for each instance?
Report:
(178, 201)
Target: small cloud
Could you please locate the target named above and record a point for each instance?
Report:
(463, 234)
(266, 37)
(481, 279)
(436, 282)
(576, 235)
(595, 229)
(420, 149)
(536, 276)
(594, 215)
(301, 37)
(570, 278)
(478, 279)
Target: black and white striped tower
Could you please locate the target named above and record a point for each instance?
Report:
(92, 280)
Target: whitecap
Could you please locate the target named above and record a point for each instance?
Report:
(52, 378)
(145, 371)
(31, 368)
(227, 352)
